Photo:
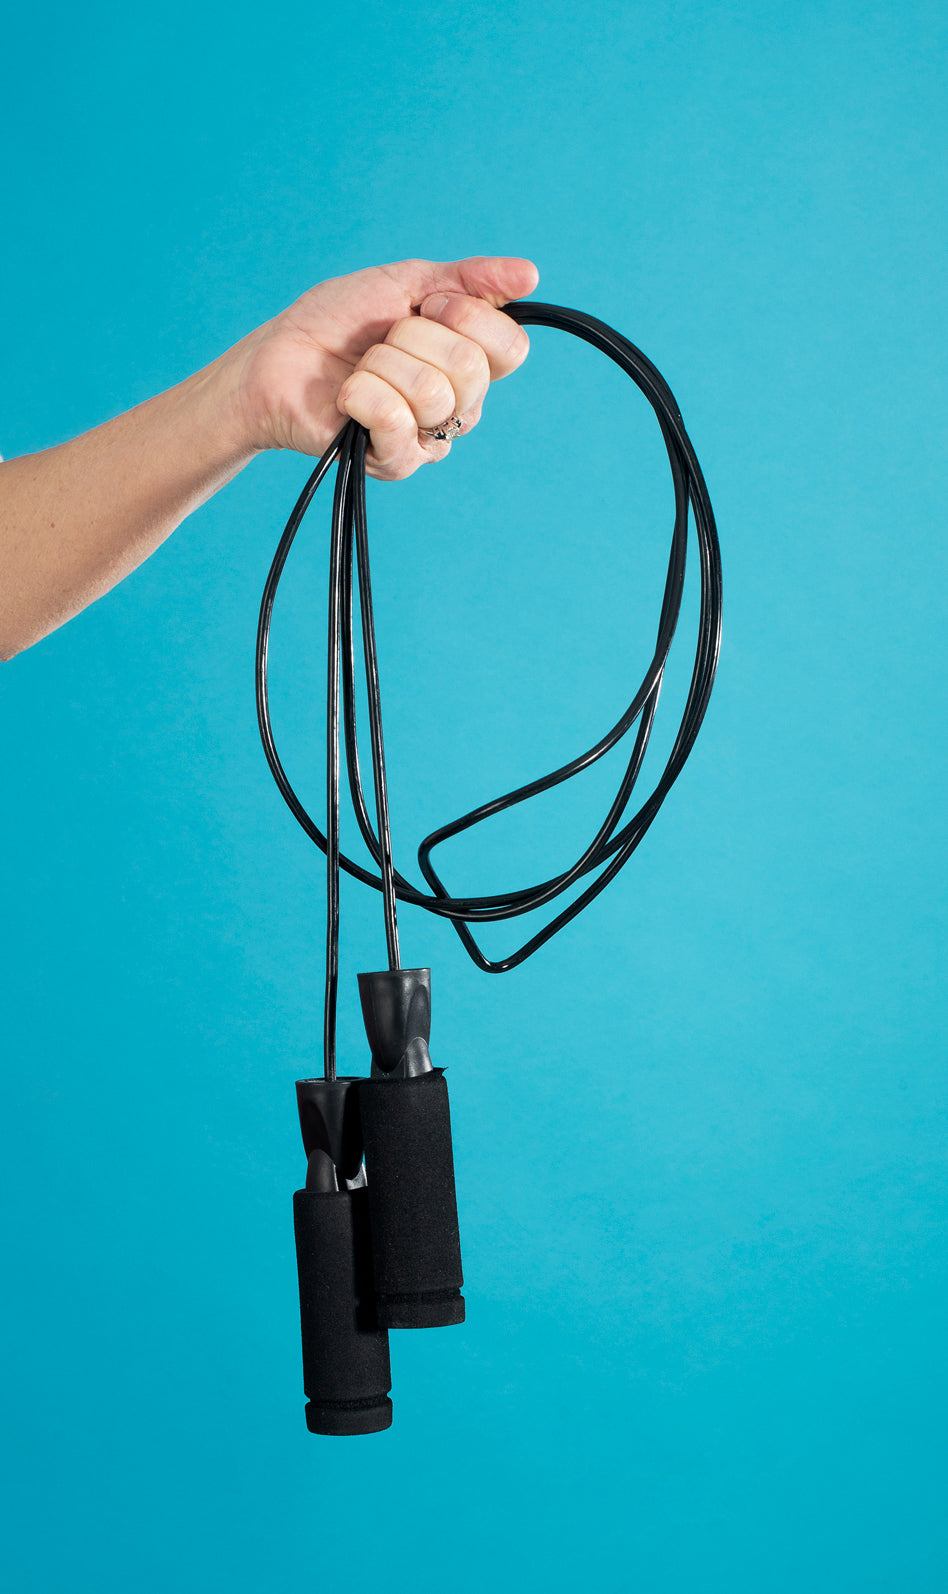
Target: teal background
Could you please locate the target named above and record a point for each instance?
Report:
(701, 1137)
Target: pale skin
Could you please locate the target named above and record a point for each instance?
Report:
(399, 348)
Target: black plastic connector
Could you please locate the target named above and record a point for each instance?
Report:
(406, 1130)
(346, 1368)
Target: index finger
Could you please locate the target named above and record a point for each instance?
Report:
(504, 342)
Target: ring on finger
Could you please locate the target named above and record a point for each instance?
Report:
(446, 432)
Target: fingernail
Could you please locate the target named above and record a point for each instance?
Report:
(433, 307)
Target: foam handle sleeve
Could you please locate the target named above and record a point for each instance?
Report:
(346, 1370)
(406, 1127)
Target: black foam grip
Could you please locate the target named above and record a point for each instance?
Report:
(346, 1370)
(406, 1125)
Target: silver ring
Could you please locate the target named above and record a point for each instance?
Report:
(446, 432)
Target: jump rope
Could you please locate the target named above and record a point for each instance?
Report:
(376, 1223)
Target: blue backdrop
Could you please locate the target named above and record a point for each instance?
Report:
(701, 1137)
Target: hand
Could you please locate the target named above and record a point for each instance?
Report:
(398, 348)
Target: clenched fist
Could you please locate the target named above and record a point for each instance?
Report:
(399, 348)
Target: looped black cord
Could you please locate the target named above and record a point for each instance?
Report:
(611, 847)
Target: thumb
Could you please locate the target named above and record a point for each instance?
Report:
(496, 278)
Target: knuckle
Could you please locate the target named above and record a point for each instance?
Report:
(519, 346)
(355, 388)
(435, 393)
(377, 405)
(391, 411)
(472, 363)
(466, 314)
(371, 357)
(399, 329)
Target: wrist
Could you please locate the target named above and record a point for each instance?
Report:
(218, 414)
(245, 386)
(282, 388)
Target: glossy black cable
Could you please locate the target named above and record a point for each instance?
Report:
(340, 519)
(612, 846)
(373, 690)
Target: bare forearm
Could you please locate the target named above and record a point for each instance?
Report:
(76, 519)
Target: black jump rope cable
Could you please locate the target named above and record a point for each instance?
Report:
(376, 1225)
